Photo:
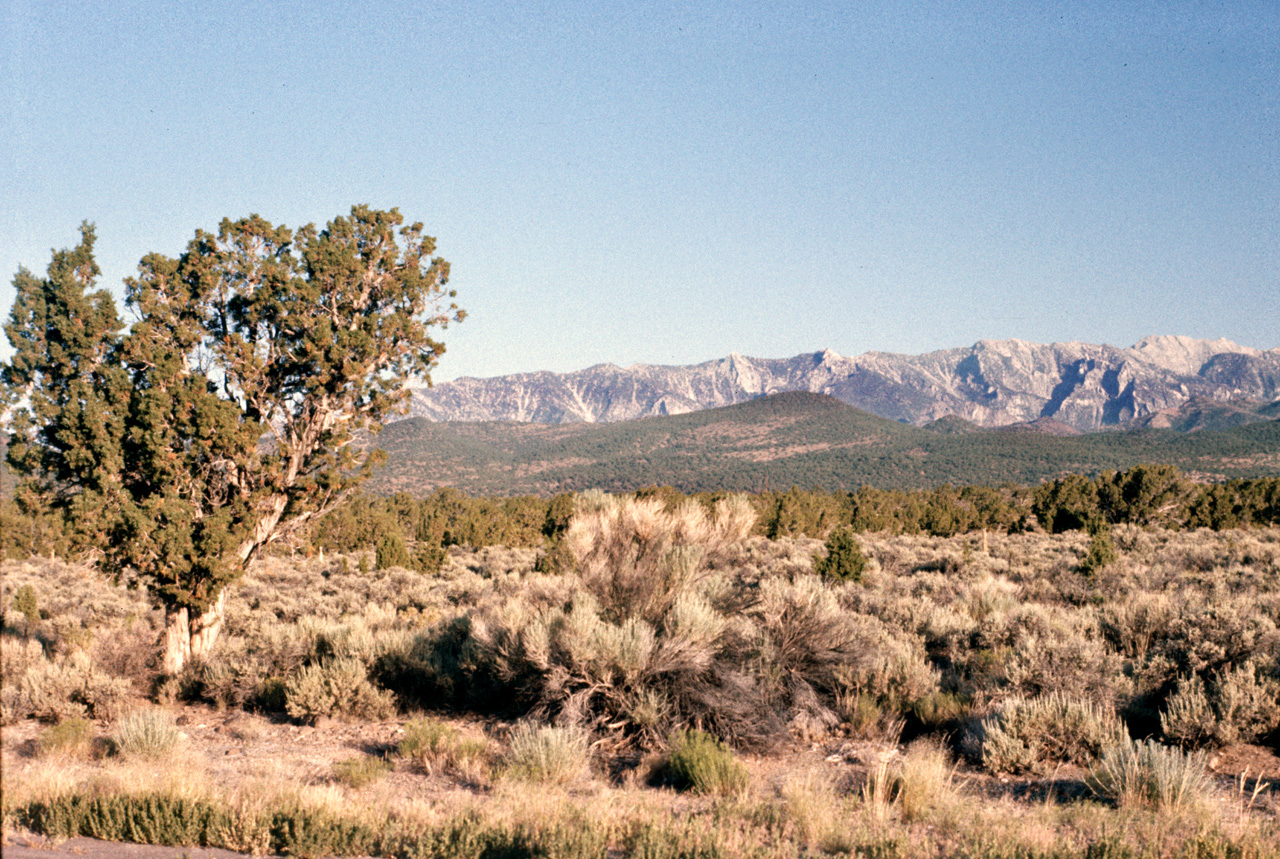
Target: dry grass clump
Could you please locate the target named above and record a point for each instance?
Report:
(1148, 774)
(435, 746)
(913, 786)
(547, 754)
(149, 733)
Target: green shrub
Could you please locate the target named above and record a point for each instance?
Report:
(146, 734)
(547, 754)
(25, 601)
(1150, 774)
(361, 771)
(844, 560)
(1102, 548)
(337, 688)
(704, 764)
(429, 559)
(71, 738)
(153, 818)
(1033, 736)
(392, 552)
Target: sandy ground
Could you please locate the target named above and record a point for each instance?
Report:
(27, 846)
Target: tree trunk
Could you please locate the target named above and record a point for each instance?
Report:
(185, 639)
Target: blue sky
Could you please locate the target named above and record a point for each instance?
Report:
(667, 183)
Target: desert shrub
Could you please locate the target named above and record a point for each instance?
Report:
(361, 771)
(1053, 649)
(1149, 774)
(644, 637)
(153, 818)
(547, 754)
(1240, 705)
(940, 710)
(1033, 736)
(865, 717)
(699, 762)
(66, 687)
(1188, 718)
(843, 560)
(1210, 634)
(338, 688)
(72, 738)
(146, 733)
(636, 558)
(1133, 623)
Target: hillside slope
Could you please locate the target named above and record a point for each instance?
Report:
(793, 438)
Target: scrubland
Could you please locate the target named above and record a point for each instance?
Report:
(663, 683)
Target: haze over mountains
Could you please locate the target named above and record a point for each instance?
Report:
(1161, 381)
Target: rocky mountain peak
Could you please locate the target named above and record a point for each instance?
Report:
(1184, 355)
(992, 383)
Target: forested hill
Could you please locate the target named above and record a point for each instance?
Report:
(803, 439)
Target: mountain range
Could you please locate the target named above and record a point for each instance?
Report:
(794, 438)
(1162, 382)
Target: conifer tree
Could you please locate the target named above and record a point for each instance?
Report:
(224, 417)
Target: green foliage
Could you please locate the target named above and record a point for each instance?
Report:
(154, 818)
(392, 552)
(426, 741)
(70, 738)
(702, 763)
(148, 441)
(25, 601)
(361, 771)
(1102, 549)
(843, 560)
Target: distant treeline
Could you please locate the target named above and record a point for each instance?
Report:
(414, 532)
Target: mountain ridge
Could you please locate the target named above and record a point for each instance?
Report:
(790, 438)
(992, 383)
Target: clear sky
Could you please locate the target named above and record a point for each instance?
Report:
(668, 183)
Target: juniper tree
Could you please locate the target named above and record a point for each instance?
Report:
(224, 417)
